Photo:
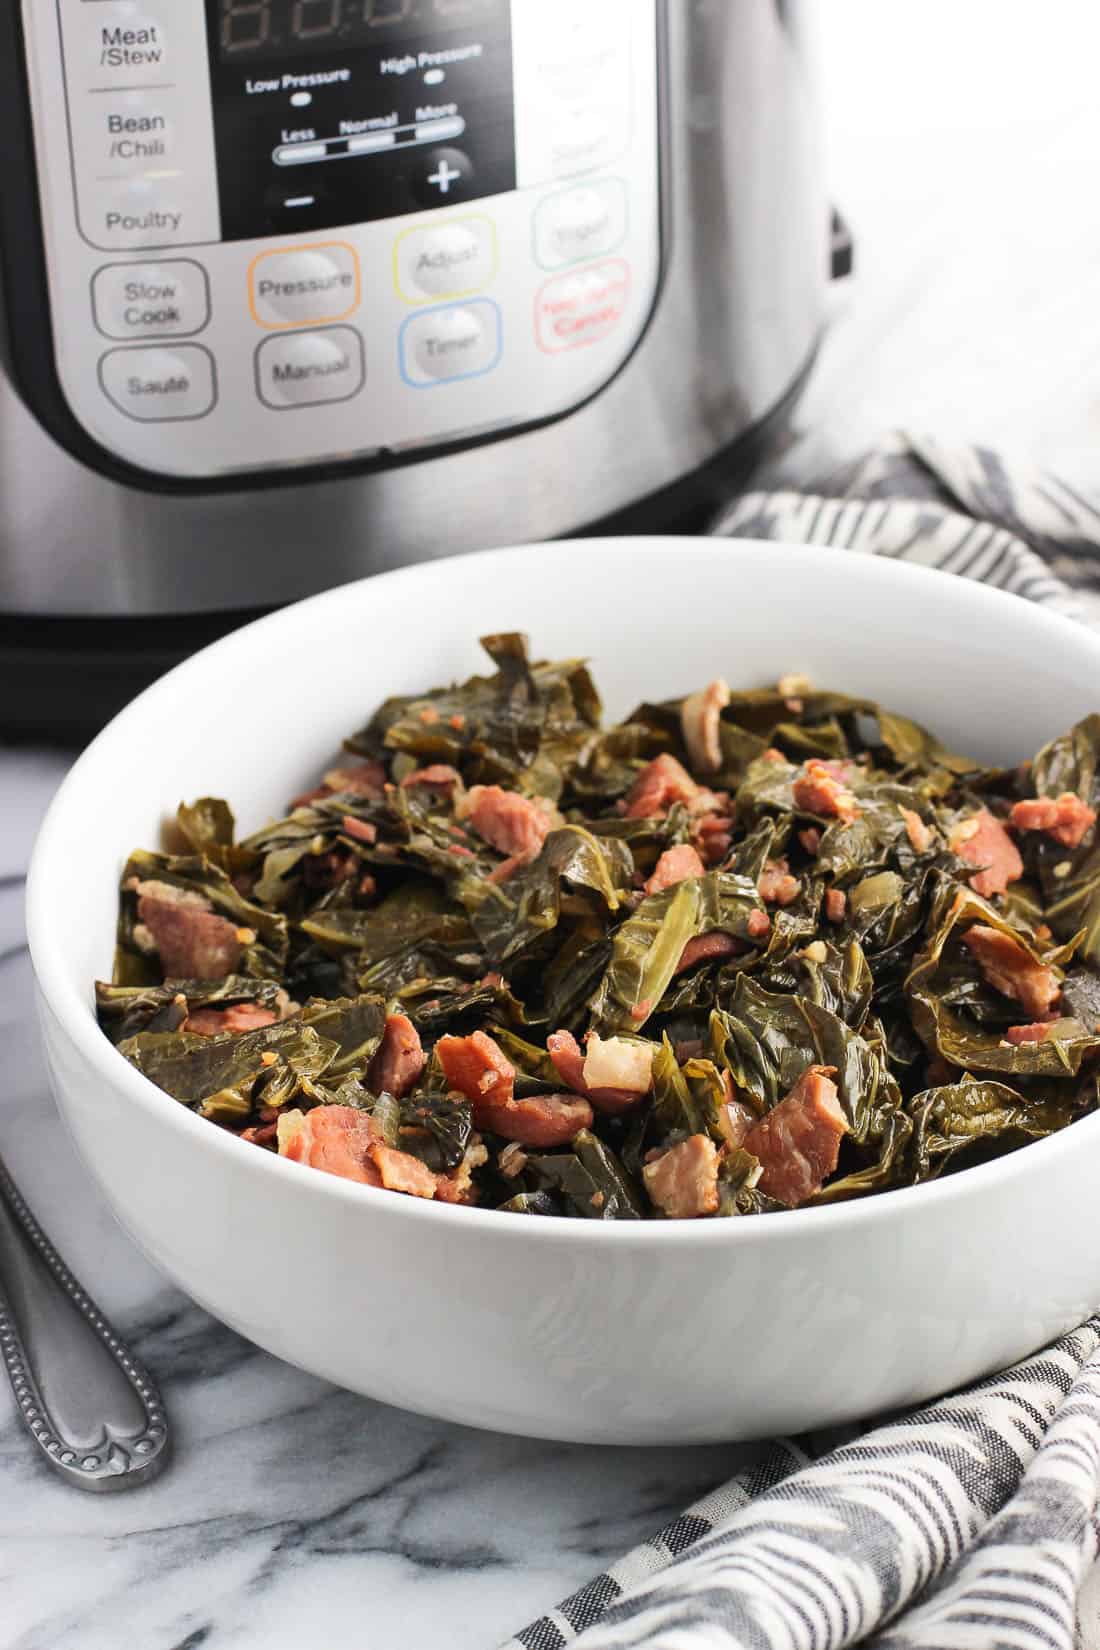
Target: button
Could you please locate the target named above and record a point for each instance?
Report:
(310, 283)
(135, 129)
(581, 307)
(156, 386)
(306, 369)
(445, 260)
(123, 43)
(166, 300)
(580, 141)
(138, 212)
(455, 341)
(580, 223)
(442, 175)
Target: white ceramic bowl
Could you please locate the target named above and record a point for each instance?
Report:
(569, 1329)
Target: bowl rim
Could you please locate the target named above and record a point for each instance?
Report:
(74, 1013)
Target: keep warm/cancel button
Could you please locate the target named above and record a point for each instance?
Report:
(156, 386)
(305, 369)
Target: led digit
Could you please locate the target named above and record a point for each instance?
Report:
(246, 24)
(314, 19)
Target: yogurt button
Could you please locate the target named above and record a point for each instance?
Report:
(158, 385)
(460, 341)
(306, 369)
(580, 223)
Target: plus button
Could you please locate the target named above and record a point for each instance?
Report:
(444, 177)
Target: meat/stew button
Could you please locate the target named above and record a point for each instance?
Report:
(306, 369)
(582, 307)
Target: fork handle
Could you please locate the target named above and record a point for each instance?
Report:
(91, 1408)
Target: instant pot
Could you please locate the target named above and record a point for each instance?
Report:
(299, 290)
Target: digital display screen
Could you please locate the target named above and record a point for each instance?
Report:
(253, 29)
(330, 112)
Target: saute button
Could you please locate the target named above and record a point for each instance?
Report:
(456, 341)
(163, 300)
(306, 369)
(158, 385)
(581, 307)
(310, 283)
(580, 223)
(442, 260)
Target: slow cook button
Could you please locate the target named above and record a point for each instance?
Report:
(156, 386)
(582, 307)
(309, 284)
(455, 341)
(162, 300)
(445, 260)
(306, 369)
(580, 223)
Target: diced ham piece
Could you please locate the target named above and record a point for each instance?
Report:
(513, 824)
(919, 834)
(758, 923)
(663, 782)
(336, 1139)
(398, 1060)
(458, 1186)
(401, 1171)
(361, 829)
(438, 776)
(798, 1142)
(571, 1064)
(776, 885)
(218, 1022)
(1035, 1033)
(810, 839)
(362, 779)
(1065, 818)
(1011, 970)
(699, 718)
(735, 1120)
(713, 836)
(476, 1066)
(617, 1063)
(705, 947)
(836, 904)
(675, 865)
(193, 943)
(683, 1182)
(983, 841)
(539, 1120)
(820, 791)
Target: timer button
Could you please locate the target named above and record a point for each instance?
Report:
(163, 300)
(307, 284)
(455, 341)
(445, 260)
(307, 369)
(442, 175)
(585, 222)
(160, 386)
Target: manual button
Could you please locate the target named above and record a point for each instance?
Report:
(306, 369)
(161, 300)
(157, 386)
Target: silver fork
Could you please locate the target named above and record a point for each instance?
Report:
(91, 1408)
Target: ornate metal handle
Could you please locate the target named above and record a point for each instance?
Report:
(89, 1405)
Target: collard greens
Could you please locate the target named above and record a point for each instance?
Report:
(742, 951)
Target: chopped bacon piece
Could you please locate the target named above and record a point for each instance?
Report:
(798, 1142)
(1065, 818)
(458, 1186)
(398, 1059)
(461, 852)
(336, 1139)
(919, 834)
(810, 839)
(758, 924)
(735, 1119)
(675, 865)
(439, 776)
(820, 790)
(476, 1066)
(1034, 1033)
(194, 943)
(663, 782)
(699, 719)
(362, 779)
(571, 1064)
(512, 823)
(539, 1120)
(683, 1182)
(1011, 970)
(216, 1022)
(265, 1135)
(983, 841)
(361, 829)
(506, 868)
(401, 1171)
(776, 885)
(836, 904)
(705, 947)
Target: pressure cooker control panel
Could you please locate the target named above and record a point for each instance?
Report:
(285, 232)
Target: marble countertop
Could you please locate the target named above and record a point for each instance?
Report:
(296, 1515)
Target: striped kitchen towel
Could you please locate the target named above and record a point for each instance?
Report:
(973, 1524)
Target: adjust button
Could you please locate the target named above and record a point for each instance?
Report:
(309, 283)
(455, 341)
(306, 369)
(445, 260)
(157, 386)
(162, 300)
